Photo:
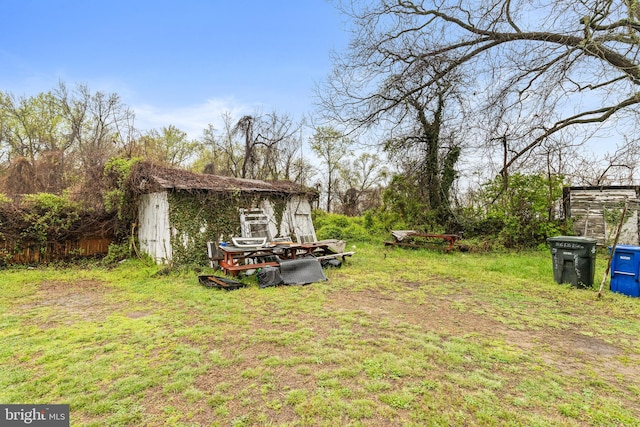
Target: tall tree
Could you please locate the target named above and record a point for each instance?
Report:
(230, 150)
(375, 85)
(426, 158)
(534, 69)
(31, 125)
(264, 139)
(362, 177)
(96, 127)
(169, 146)
(332, 147)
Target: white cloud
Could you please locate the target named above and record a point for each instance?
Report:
(190, 119)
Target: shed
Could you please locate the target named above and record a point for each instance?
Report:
(595, 212)
(180, 211)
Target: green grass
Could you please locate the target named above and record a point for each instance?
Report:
(394, 337)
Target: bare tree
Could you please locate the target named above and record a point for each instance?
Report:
(230, 149)
(616, 167)
(363, 178)
(258, 146)
(265, 138)
(332, 147)
(97, 126)
(534, 69)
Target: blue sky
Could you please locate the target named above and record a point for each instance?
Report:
(180, 62)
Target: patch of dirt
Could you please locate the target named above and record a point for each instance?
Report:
(137, 314)
(82, 300)
(436, 315)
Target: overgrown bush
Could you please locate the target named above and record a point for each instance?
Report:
(49, 217)
(47, 226)
(342, 227)
(520, 215)
(406, 207)
(118, 252)
(117, 172)
(380, 222)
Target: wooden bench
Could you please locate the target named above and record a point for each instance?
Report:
(234, 269)
(407, 238)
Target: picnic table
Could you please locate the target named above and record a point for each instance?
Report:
(415, 239)
(236, 259)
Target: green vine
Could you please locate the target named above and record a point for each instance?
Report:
(200, 217)
(41, 223)
(279, 206)
(117, 171)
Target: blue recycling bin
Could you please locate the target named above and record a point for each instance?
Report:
(574, 260)
(625, 270)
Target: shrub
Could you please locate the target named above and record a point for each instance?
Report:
(357, 232)
(520, 215)
(330, 232)
(49, 217)
(117, 252)
(342, 227)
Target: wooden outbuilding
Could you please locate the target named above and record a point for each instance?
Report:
(595, 212)
(180, 211)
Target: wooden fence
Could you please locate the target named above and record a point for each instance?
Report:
(54, 251)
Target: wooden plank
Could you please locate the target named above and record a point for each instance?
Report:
(342, 254)
(234, 269)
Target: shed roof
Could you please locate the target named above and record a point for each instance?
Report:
(603, 187)
(148, 177)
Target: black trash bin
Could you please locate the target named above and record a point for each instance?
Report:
(574, 260)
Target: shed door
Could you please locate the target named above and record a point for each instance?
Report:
(303, 226)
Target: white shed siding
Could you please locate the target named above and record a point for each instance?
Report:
(296, 219)
(154, 230)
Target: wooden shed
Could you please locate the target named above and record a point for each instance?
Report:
(595, 212)
(180, 211)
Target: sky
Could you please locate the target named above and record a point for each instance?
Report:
(181, 62)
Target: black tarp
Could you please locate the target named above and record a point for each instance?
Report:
(301, 271)
(269, 276)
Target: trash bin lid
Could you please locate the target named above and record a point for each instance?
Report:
(630, 248)
(572, 239)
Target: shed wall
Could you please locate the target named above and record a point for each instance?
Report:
(588, 210)
(154, 231)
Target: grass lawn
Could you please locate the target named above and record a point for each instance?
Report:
(394, 337)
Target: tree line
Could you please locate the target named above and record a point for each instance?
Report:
(60, 141)
(441, 115)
